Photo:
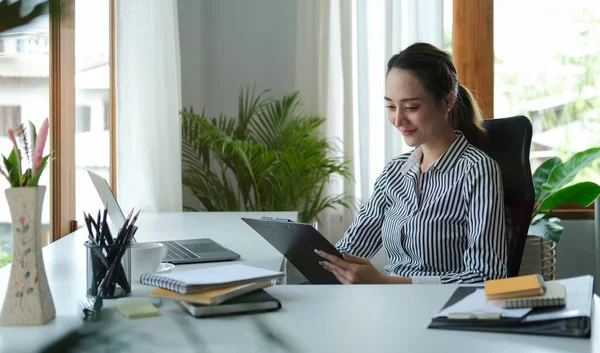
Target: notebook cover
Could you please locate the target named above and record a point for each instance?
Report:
(203, 279)
(211, 297)
(529, 285)
(258, 301)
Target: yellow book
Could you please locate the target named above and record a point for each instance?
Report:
(211, 297)
(515, 287)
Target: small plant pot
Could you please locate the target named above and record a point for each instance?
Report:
(539, 257)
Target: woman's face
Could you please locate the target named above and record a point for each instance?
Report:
(412, 110)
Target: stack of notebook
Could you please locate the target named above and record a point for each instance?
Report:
(529, 291)
(217, 290)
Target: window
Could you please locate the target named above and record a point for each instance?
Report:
(447, 26)
(20, 46)
(92, 79)
(106, 117)
(549, 73)
(10, 116)
(83, 118)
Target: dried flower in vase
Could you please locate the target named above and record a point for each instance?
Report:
(26, 172)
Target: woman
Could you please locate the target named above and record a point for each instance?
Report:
(438, 211)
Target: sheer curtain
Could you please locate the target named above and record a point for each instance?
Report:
(148, 104)
(342, 50)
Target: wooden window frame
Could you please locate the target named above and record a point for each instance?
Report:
(473, 52)
(62, 114)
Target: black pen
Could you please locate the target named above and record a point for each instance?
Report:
(89, 227)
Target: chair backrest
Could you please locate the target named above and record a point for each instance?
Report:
(508, 142)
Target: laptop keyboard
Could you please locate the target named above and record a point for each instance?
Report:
(179, 252)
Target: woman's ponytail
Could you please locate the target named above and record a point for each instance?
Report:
(466, 116)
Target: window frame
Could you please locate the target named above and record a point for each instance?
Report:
(62, 114)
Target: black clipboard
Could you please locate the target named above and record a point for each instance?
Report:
(567, 327)
(297, 242)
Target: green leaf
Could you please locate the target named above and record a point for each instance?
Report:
(29, 290)
(17, 163)
(35, 178)
(537, 218)
(19, 294)
(540, 176)
(26, 177)
(27, 251)
(14, 172)
(582, 194)
(563, 174)
(547, 228)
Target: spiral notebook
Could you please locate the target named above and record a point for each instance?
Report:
(555, 296)
(211, 297)
(204, 279)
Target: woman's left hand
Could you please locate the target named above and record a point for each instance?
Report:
(351, 269)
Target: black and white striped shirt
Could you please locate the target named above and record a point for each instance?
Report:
(441, 226)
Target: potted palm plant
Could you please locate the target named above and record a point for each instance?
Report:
(270, 158)
(553, 188)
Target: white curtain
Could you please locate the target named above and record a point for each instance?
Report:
(342, 50)
(148, 105)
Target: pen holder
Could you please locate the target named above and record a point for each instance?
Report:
(108, 270)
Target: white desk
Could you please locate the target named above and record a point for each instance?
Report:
(65, 262)
(313, 318)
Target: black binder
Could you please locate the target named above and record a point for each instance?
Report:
(559, 322)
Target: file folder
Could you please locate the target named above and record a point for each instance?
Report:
(573, 320)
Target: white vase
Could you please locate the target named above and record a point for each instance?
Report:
(28, 300)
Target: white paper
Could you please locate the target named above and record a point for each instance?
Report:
(477, 304)
(221, 274)
(578, 301)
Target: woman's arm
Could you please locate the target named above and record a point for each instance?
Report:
(486, 255)
(363, 237)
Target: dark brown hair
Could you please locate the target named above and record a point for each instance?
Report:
(437, 73)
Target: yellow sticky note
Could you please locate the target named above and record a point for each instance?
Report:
(136, 308)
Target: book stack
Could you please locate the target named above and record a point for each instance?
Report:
(221, 290)
(530, 291)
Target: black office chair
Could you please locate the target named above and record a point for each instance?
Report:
(508, 142)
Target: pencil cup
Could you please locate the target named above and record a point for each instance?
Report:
(108, 270)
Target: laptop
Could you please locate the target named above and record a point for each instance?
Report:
(180, 251)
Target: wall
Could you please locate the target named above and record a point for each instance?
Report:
(227, 44)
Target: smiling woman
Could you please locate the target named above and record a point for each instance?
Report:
(438, 210)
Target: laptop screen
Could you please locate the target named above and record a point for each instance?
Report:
(115, 214)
